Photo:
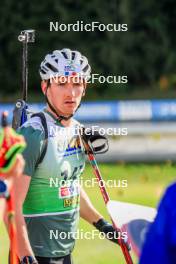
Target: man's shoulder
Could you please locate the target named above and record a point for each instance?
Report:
(33, 122)
(32, 129)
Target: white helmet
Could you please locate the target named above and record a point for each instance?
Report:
(64, 62)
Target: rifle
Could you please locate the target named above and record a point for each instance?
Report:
(20, 111)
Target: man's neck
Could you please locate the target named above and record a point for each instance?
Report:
(65, 123)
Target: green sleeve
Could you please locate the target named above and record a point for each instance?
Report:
(34, 139)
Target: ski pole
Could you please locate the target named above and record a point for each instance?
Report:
(105, 195)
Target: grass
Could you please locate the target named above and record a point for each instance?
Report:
(146, 183)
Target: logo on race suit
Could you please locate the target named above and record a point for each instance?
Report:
(74, 201)
(66, 192)
(71, 148)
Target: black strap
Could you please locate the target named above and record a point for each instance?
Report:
(45, 145)
(57, 260)
(91, 139)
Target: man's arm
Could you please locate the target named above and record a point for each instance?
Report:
(34, 135)
(21, 186)
(91, 215)
(87, 210)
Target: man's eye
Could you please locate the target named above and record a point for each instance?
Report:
(61, 84)
(77, 84)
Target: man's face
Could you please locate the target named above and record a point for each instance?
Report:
(65, 94)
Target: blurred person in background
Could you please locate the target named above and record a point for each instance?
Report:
(9, 178)
(160, 243)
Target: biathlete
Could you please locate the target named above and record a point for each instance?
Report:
(45, 205)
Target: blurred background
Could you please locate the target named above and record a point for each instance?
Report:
(145, 106)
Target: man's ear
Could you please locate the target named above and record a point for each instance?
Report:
(84, 91)
(44, 86)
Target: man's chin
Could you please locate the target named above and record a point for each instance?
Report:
(70, 110)
(67, 113)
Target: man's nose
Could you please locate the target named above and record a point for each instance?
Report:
(71, 90)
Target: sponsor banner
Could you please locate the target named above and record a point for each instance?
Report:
(115, 111)
(164, 110)
(134, 110)
(98, 111)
